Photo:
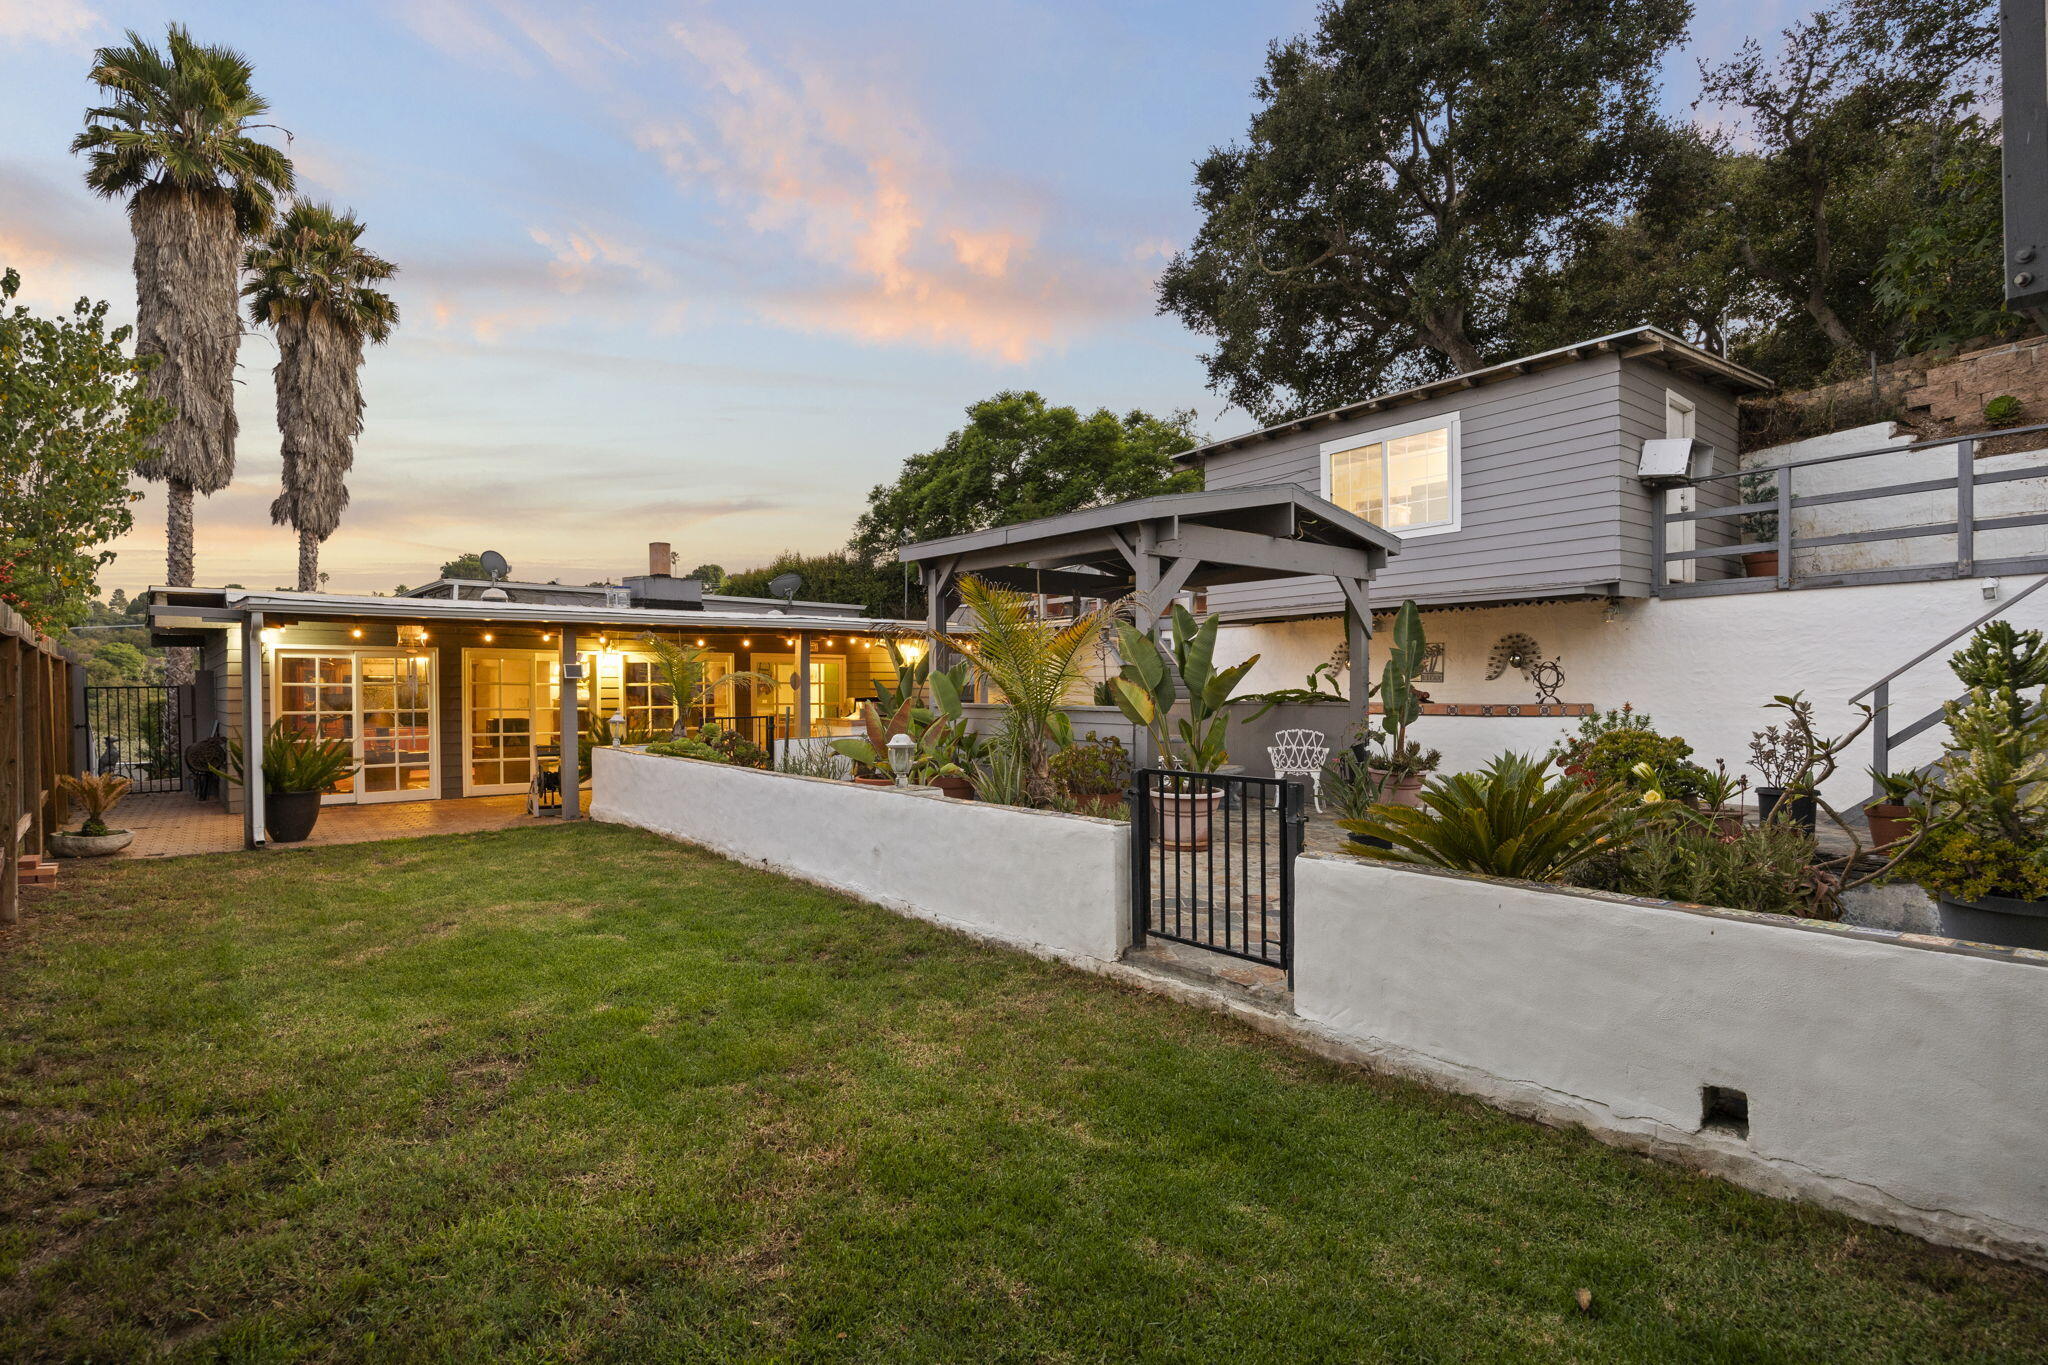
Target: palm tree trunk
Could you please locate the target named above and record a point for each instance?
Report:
(179, 664)
(309, 561)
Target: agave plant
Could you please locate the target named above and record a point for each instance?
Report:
(96, 794)
(1510, 819)
(294, 760)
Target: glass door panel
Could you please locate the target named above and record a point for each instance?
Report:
(828, 686)
(396, 725)
(511, 711)
(316, 697)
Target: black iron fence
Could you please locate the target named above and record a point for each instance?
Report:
(1212, 862)
(136, 731)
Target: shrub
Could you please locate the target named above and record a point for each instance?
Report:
(1767, 868)
(1092, 767)
(686, 748)
(733, 747)
(2004, 411)
(1507, 820)
(1622, 748)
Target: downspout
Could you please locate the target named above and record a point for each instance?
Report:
(253, 729)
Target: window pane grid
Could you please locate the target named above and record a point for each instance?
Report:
(1401, 483)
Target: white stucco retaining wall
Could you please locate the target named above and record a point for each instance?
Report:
(1037, 880)
(1703, 667)
(1897, 1082)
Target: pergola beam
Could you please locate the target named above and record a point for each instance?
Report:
(1281, 557)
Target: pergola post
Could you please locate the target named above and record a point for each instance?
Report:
(803, 685)
(570, 695)
(1358, 641)
(253, 728)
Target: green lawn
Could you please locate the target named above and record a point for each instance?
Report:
(583, 1094)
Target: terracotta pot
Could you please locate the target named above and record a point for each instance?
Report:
(1728, 823)
(959, 787)
(1890, 821)
(288, 817)
(874, 781)
(91, 845)
(1182, 819)
(1406, 791)
(1762, 564)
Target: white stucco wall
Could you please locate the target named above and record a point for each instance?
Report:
(1912, 509)
(1899, 1082)
(1703, 667)
(1041, 881)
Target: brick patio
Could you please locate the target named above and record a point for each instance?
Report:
(172, 824)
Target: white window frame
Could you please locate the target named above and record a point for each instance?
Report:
(1447, 423)
(1681, 418)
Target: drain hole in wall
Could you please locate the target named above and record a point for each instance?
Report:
(1724, 1109)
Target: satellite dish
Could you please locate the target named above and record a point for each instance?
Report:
(785, 585)
(494, 564)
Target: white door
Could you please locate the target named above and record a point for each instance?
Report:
(1680, 535)
(511, 708)
(381, 702)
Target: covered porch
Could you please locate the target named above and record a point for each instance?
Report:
(454, 701)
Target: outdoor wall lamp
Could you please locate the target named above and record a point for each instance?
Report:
(270, 635)
(617, 725)
(1990, 590)
(901, 747)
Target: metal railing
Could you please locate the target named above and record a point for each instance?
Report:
(1884, 739)
(1212, 863)
(1965, 527)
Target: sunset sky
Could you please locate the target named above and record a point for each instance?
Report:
(687, 272)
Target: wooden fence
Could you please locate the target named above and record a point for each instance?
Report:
(37, 684)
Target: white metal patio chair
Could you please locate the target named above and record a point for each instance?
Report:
(1301, 753)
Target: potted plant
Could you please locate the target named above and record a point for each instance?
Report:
(1093, 773)
(1383, 745)
(1147, 689)
(96, 794)
(948, 753)
(1982, 850)
(298, 768)
(1784, 761)
(1720, 797)
(1889, 817)
(1351, 788)
(1760, 527)
(870, 752)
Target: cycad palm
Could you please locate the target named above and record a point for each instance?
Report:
(174, 140)
(311, 283)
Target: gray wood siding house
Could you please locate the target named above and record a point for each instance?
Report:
(1513, 483)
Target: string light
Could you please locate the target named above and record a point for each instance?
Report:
(746, 644)
(700, 644)
(487, 637)
(357, 633)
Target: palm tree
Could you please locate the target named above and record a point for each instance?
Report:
(174, 140)
(310, 282)
(1035, 663)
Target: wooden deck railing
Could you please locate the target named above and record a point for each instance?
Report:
(1965, 526)
(36, 689)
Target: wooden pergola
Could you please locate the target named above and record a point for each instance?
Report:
(1152, 549)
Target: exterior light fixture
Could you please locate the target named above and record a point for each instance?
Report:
(356, 634)
(746, 644)
(700, 644)
(901, 747)
(617, 725)
(487, 637)
(828, 642)
(270, 635)
(1990, 590)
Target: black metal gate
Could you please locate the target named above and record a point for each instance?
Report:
(137, 731)
(1212, 862)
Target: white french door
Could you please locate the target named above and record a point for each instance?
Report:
(511, 708)
(828, 686)
(380, 701)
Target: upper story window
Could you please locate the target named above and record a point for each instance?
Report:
(1403, 478)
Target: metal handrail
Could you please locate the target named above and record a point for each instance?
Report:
(1971, 436)
(1924, 655)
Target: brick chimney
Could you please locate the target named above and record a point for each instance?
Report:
(660, 562)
